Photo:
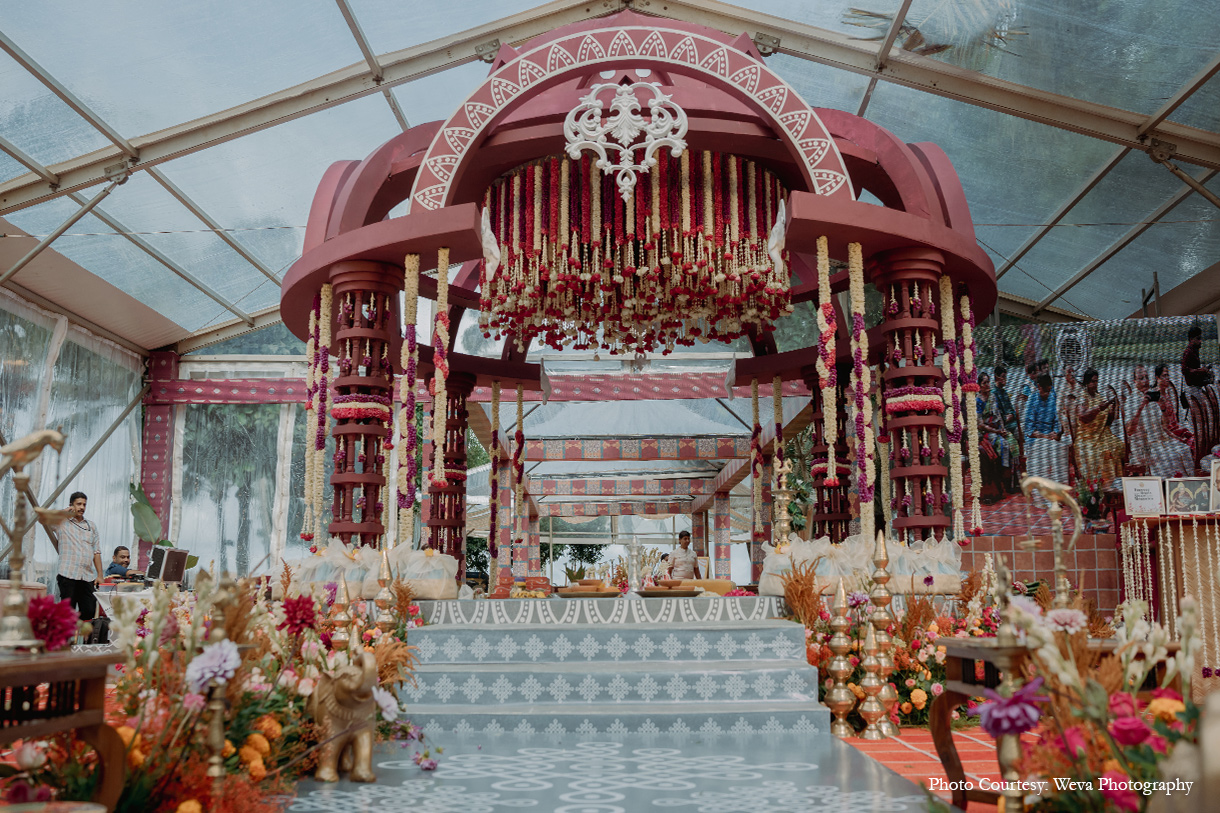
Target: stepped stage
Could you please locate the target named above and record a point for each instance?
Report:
(616, 706)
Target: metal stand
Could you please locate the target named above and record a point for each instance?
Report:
(880, 619)
(840, 699)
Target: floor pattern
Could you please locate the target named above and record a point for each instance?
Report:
(783, 774)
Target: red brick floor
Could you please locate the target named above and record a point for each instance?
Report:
(913, 756)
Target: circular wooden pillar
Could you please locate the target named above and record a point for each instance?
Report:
(831, 507)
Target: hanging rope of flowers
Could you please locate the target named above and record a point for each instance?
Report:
(581, 266)
(827, 373)
(953, 404)
(493, 532)
(325, 305)
(777, 408)
(861, 378)
(409, 362)
(440, 351)
(519, 464)
(756, 460)
(971, 388)
(311, 392)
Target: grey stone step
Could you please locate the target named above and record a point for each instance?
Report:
(526, 720)
(600, 610)
(585, 684)
(575, 643)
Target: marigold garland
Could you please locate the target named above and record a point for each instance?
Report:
(440, 351)
(493, 532)
(325, 318)
(827, 372)
(409, 360)
(658, 272)
(756, 460)
(953, 404)
(971, 386)
(862, 400)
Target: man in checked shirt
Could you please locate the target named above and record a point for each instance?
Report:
(80, 559)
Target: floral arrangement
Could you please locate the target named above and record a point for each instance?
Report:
(861, 377)
(953, 404)
(519, 464)
(440, 349)
(914, 399)
(407, 466)
(494, 474)
(826, 369)
(970, 378)
(684, 261)
(263, 671)
(55, 623)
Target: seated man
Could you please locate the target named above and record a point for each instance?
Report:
(120, 566)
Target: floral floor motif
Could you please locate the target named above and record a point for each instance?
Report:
(783, 774)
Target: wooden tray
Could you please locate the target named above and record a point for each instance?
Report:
(650, 592)
(588, 594)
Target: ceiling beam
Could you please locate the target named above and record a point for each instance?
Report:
(227, 330)
(27, 161)
(1124, 241)
(370, 59)
(154, 252)
(883, 53)
(1185, 92)
(344, 85)
(74, 317)
(68, 97)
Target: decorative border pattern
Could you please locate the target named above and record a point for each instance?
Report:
(638, 448)
(628, 509)
(702, 725)
(601, 611)
(616, 488)
(719, 63)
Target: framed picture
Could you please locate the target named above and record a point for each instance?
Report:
(705, 563)
(1187, 495)
(1215, 489)
(1143, 496)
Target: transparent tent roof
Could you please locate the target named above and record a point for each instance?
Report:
(1070, 220)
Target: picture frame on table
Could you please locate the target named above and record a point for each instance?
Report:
(1215, 489)
(1187, 495)
(1143, 496)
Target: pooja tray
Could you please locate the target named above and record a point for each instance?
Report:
(588, 594)
(654, 593)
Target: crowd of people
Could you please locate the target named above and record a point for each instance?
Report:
(1077, 430)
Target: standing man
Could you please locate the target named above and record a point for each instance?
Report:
(80, 559)
(683, 563)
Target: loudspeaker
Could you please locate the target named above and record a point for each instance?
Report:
(167, 564)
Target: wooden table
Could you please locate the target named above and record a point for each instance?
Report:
(74, 699)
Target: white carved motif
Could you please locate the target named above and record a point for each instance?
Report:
(617, 135)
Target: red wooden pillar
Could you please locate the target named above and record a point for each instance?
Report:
(768, 512)
(698, 532)
(909, 279)
(721, 529)
(831, 509)
(157, 453)
(447, 519)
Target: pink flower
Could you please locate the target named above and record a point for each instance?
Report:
(910, 683)
(937, 690)
(305, 687)
(192, 701)
(1115, 786)
(299, 615)
(1169, 693)
(1073, 741)
(23, 792)
(1066, 620)
(1129, 731)
(1122, 704)
(54, 622)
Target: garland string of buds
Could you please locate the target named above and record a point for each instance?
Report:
(493, 532)
(1209, 595)
(1125, 552)
(953, 405)
(862, 401)
(756, 460)
(827, 372)
(887, 487)
(406, 396)
(971, 386)
(777, 407)
(588, 270)
(325, 311)
(311, 391)
(440, 353)
(519, 463)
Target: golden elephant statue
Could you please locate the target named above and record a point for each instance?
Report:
(345, 712)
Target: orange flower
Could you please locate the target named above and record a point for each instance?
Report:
(128, 735)
(189, 806)
(248, 754)
(856, 690)
(269, 727)
(259, 743)
(228, 750)
(135, 757)
(919, 698)
(258, 771)
(1166, 708)
(906, 708)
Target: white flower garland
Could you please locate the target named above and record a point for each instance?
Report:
(887, 486)
(756, 462)
(825, 363)
(777, 408)
(311, 452)
(1125, 546)
(1212, 629)
(406, 420)
(952, 405)
(440, 401)
(518, 467)
(972, 418)
(324, 339)
(861, 407)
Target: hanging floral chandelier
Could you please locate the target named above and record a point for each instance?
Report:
(695, 253)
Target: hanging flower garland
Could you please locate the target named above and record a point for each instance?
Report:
(493, 531)
(311, 391)
(409, 361)
(861, 378)
(756, 460)
(884, 450)
(827, 372)
(325, 316)
(440, 351)
(777, 408)
(580, 266)
(913, 398)
(971, 387)
(519, 462)
(953, 404)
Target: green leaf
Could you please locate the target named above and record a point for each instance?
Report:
(191, 561)
(8, 770)
(147, 524)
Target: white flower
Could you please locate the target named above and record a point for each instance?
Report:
(1066, 620)
(217, 662)
(305, 687)
(387, 702)
(30, 756)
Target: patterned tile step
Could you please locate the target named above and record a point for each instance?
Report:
(600, 610)
(612, 719)
(584, 683)
(577, 643)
